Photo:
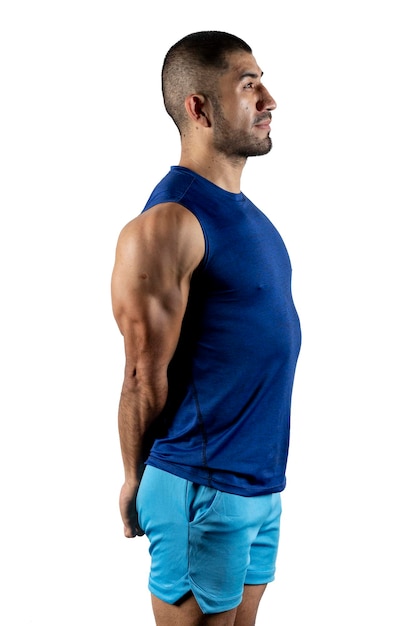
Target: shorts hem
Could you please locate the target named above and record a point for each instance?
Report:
(259, 578)
(171, 594)
(207, 604)
(210, 605)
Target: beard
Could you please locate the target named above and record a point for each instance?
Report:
(240, 144)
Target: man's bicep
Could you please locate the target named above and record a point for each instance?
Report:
(156, 255)
(150, 328)
(148, 298)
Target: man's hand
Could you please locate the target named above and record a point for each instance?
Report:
(127, 503)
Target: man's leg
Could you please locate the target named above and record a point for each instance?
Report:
(247, 610)
(188, 613)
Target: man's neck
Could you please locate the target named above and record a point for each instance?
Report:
(217, 168)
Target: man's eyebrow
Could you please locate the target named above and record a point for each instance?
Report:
(250, 75)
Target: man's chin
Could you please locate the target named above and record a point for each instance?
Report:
(261, 149)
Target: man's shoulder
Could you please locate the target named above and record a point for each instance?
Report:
(171, 188)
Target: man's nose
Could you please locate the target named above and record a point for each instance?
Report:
(266, 101)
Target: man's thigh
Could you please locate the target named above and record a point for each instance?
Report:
(190, 614)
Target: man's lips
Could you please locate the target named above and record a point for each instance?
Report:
(263, 122)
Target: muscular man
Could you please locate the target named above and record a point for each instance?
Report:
(201, 292)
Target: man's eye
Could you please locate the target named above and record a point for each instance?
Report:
(248, 85)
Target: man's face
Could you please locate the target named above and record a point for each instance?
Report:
(242, 113)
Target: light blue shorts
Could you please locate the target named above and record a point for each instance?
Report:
(206, 541)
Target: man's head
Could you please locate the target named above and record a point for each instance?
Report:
(193, 65)
(212, 77)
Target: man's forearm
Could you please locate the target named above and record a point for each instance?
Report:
(137, 414)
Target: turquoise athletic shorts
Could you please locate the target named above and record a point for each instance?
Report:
(206, 541)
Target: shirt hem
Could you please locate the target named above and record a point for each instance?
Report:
(208, 478)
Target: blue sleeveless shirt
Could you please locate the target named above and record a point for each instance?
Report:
(226, 422)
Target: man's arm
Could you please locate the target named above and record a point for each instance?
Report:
(155, 258)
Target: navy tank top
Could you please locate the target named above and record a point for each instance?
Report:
(226, 422)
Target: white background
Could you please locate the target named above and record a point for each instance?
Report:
(84, 138)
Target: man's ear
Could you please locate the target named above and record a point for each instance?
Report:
(196, 107)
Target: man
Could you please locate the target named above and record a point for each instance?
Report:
(201, 292)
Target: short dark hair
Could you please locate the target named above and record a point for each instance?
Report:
(192, 65)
